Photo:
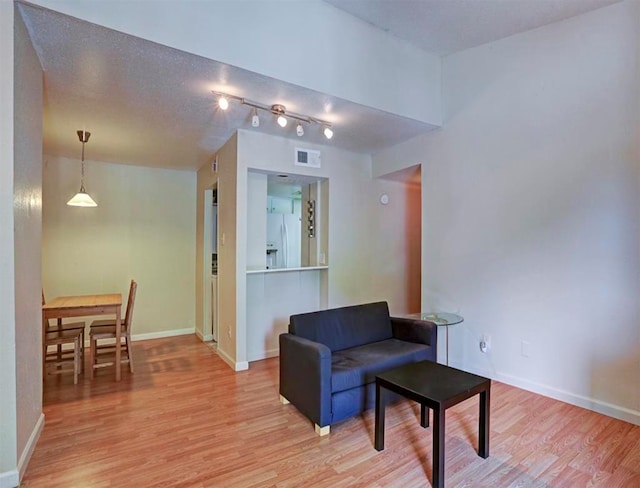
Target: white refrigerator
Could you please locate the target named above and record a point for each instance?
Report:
(283, 235)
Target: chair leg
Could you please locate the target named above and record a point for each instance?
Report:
(82, 351)
(127, 341)
(92, 354)
(76, 359)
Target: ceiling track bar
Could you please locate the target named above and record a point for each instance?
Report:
(270, 109)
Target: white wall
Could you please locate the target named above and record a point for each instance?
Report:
(27, 214)
(343, 56)
(144, 228)
(256, 220)
(531, 208)
(271, 299)
(360, 233)
(8, 399)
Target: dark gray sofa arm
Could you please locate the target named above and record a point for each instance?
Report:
(305, 377)
(411, 330)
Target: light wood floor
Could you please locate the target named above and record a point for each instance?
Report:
(184, 419)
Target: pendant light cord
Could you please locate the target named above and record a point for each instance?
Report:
(82, 171)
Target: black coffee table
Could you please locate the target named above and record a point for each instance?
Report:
(438, 387)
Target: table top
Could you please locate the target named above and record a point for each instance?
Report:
(433, 381)
(84, 301)
(438, 318)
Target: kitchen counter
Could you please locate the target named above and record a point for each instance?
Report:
(285, 270)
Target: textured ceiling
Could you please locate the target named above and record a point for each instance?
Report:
(151, 105)
(446, 26)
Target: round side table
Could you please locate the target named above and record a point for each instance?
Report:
(441, 319)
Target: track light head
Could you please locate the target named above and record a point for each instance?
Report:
(279, 110)
(223, 103)
(299, 130)
(255, 120)
(328, 133)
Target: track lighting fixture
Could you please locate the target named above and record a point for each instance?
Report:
(279, 111)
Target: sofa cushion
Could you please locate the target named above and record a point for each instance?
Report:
(345, 327)
(358, 366)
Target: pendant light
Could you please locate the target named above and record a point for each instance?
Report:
(82, 198)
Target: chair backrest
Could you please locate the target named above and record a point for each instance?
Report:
(130, 302)
(44, 323)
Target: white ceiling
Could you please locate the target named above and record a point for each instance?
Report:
(151, 105)
(445, 26)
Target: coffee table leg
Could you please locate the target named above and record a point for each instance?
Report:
(424, 416)
(438, 447)
(483, 428)
(380, 404)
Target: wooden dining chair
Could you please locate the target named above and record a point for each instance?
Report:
(59, 338)
(60, 326)
(106, 330)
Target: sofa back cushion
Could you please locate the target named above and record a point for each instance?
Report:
(345, 327)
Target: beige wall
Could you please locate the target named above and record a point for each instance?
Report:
(27, 191)
(144, 228)
(8, 399)
(531, 208)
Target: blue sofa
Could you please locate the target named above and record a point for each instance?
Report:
(329, 359)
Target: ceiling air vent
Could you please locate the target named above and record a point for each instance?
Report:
(307, 157)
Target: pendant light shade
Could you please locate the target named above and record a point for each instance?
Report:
(82, 198)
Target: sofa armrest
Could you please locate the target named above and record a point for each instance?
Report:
(411, 330)
(305, 377)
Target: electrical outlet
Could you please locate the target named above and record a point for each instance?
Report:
(525, 349)
(485, 343)
(229, 332)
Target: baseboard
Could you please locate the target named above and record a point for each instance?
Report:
(608, 409)
(31, 445)
(236, 366)
(204, 337)
(270, 353)
(9, 479)
(162, 334)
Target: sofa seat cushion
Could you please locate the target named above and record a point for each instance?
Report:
(358, 366)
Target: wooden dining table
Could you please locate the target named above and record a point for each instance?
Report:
(83, 306)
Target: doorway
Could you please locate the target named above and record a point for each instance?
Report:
(400, 214)
(210, 266)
